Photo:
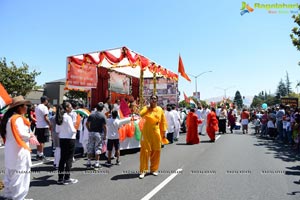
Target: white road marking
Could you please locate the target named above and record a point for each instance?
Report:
(2, 147)
(218, 137)
(161, 185)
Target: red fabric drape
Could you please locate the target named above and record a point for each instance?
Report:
(101, 92)
(135, 87)
(135, 60)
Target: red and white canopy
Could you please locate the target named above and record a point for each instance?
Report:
(125, 61)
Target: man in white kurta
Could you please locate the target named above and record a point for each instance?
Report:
(177, 123)
(171, 124)
(204, 113)
(199, 115)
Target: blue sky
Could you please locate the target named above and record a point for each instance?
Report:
(249, 53)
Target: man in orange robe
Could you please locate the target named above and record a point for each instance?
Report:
(192, 121)
(212, 125)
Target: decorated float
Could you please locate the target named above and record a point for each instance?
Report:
(121, 74)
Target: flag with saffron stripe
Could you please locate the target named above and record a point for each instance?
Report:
(5, 99)
(181, 70)
(192, 103)
(186, 99)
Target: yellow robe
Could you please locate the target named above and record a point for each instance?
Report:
(151, 138)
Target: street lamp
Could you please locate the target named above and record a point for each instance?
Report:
(197, 77)
(225, 89)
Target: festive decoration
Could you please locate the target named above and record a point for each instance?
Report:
(130, 129)
(126, 58)
(122, 60)
(83, 112)
(124, 108)
(78, 89)
(84, 75)
(264, 106)
(192, 103)
(137, 132)
(122, 134)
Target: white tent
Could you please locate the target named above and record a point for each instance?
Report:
(125, 61)
(122, 60)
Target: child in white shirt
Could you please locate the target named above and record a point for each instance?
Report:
(272, 131)
(113, 125)
(256, 123)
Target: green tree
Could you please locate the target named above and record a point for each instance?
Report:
(38, 87)
(297, 85)
(257, 101)
(295, 36)
(269, 99)
(281, 89)
(183, 104)
(288, 84)
(73, 94)
(17, 80)
(238, 100)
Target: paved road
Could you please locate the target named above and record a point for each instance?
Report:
(237, 167)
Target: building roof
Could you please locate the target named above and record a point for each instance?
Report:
(62, 80)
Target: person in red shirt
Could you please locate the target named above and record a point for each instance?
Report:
(231, 120)
(32, 117)
(245, 120)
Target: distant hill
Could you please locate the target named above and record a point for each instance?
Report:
(247, 101)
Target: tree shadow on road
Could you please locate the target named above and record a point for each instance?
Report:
(296, 192)
(282, 151)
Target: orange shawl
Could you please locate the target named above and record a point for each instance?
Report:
(77, 123)
(16, 133)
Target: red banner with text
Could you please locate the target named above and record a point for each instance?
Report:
(82, 75)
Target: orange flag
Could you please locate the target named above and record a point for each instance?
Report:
(186, 99)
(5, 99)
(181, 69)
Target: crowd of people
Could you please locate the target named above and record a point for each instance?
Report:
(280, 123)
(98, 132)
